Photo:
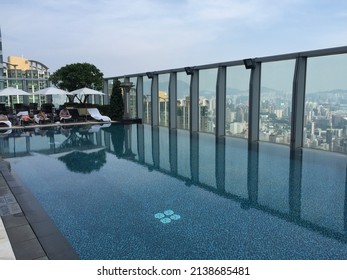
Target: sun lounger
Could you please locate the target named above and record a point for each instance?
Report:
(95, 114)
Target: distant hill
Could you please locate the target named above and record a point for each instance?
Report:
(329, 92)
(183, 88)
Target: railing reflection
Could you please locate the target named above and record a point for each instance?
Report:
(284, 200)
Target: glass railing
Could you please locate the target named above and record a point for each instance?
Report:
(237, 102)
(163, 99)
(276, 101)
(325, 119)
(297, 99)
(183, 101)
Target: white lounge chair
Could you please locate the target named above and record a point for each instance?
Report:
(95, 114)
(22, 113)
(8, 123)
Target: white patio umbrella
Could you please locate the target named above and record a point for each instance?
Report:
(11, 91)
(56, 92)
(86, 92)
(52, 91)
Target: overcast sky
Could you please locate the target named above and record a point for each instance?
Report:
(131, 36)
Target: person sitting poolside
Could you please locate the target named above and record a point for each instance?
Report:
(41, 117)
(64, 114)
(25, 119)
(3, 117)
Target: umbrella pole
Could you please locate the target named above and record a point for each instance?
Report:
(11, 104)
(85, 105)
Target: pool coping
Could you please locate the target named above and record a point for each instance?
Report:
(31, 232)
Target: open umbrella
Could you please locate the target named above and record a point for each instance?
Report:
(58, 95)
(52, 91)
(86, 92)
(10, 91)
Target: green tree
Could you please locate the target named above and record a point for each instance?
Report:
(78, 75)
(116, 102)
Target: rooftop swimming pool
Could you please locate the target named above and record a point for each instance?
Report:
(142, 192)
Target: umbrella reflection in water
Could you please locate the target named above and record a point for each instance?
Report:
(84, 162)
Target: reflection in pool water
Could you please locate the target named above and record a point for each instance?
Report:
(137, 192)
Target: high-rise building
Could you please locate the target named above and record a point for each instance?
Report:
(26, 74)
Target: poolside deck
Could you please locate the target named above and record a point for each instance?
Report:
(26, 231)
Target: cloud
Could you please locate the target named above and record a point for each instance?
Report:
(144, 35)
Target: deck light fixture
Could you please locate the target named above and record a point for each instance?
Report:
(249, 63)
(189, 70)
(150, 75)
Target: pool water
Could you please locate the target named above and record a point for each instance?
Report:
(138, 192)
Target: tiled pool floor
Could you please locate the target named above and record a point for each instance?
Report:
(26, 232)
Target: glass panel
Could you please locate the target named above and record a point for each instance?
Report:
(236, 167)
(132, 99)
(163, 99)
(164, 150)
(325, 186)
(207, 160)
(183, 154)
(276, 101)
(237, 99)
(134, 142)
(183, 100)
(207, 100)
(147, 115)
(273, 177)
(148, 145)
(325, 121)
